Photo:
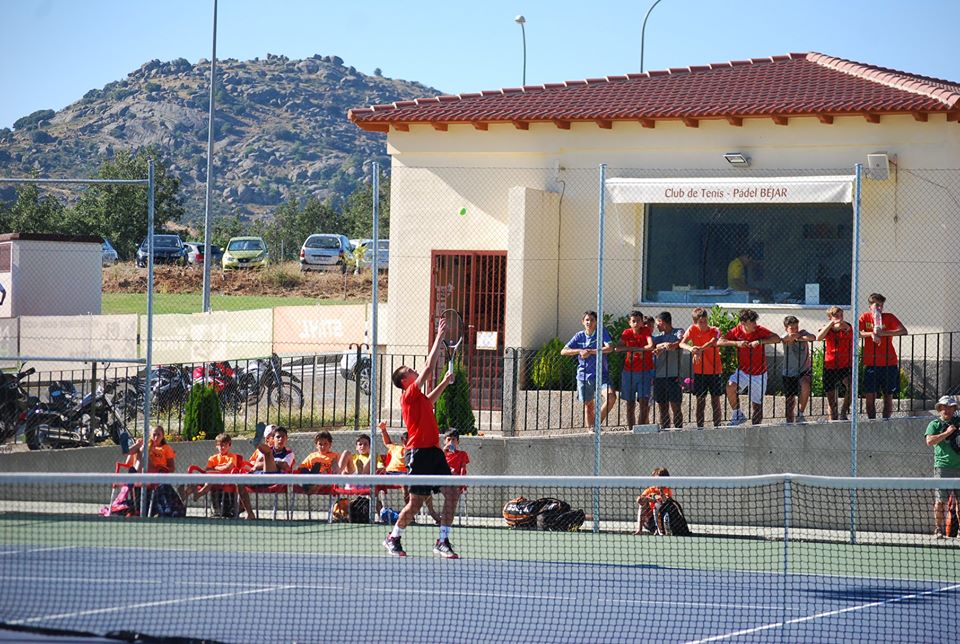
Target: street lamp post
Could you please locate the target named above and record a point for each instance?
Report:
(207, 219)
(520, 20)
(643, 32)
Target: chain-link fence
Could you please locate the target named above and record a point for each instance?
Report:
(515, 251)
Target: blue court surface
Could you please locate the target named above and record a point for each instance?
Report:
(252, 594)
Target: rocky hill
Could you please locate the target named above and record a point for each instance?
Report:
(281, 129)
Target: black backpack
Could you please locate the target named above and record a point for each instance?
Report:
(668, 516)
(167, 503)
(360, 510)
(224, 504)
(560, 520)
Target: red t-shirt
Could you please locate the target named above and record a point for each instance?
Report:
(709, 363)
(637, 361)
(883, 354)
(837, 346)
(751, 360)
(417, 413)
(458, 462)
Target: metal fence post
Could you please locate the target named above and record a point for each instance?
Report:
(145, 454)
(375, 307)
(598, 382)
(855, 350)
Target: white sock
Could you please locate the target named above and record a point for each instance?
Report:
(444, 533)
(396, 532)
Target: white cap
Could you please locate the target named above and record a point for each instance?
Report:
(268, 430)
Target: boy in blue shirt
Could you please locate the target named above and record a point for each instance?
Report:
(584, 346)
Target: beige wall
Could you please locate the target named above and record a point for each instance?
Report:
(318, 329)
(106, 337)
(436, 173)
(54, 278)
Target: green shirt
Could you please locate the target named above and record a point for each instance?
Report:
(944, 455)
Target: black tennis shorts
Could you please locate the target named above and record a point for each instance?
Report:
(426, 461)
(704, 383)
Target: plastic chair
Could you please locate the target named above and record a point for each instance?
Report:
(225, 490)
(276, 490)
(309, 491)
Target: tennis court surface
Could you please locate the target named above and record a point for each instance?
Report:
(772, 559)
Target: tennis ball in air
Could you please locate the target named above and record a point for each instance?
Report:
(462, 212)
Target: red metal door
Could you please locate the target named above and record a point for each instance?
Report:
(474, 283)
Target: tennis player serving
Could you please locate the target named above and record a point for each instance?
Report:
(423, 453)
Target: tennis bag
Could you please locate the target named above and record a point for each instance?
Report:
(668, 515)
(522, 512)
(560, 518)
(167, 503)
(360, 510)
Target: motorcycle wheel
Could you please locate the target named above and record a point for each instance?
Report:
(31, 435)
(363, 375)
(287, 395)
(125, 402)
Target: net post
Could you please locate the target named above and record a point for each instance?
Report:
(787, 507)
(598, 373)
(855, 350)
(374, 381)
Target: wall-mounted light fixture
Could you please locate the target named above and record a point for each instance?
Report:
(737, 159)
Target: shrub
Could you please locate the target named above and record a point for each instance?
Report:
(615, 328)
(202, 415)
(453, 406)
(725, 320)
(551, 370)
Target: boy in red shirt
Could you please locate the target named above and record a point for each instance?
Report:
(701, 341)
(837, 337)
(751, 374)
(424, 455)
(457, 459)
(636, 379)
(881, 373)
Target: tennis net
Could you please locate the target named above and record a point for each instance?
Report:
(771, 558)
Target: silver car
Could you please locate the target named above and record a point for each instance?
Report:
(383, 254)
(324, 252)
(109, 254)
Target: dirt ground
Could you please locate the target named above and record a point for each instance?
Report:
(285, 279)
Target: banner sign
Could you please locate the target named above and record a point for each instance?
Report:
(823, 189)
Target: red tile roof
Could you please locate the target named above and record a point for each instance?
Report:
(778, 87)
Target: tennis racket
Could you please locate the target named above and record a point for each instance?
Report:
(452, 335)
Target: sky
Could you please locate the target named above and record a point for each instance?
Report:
(53, 51)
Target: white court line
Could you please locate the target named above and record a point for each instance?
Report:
(148, 582)
(415, 591)
(20, 552)
(166, 602)
(652, 602)
(808, 618)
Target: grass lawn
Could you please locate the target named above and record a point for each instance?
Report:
(117, 303)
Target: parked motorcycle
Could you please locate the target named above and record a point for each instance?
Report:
(169, 387)
(267, 376)
(223, 378)
(14, 402)
(68, 419)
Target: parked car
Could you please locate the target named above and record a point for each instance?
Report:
(383, 253)
(324, 251)
(167, 249)
(109, 253)
(245, 252)
(195, 253)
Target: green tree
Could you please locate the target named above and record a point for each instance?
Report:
(226, 227)
(293, 223)
(119, 212)
(202, 415)
(33, 213)
(357, 212)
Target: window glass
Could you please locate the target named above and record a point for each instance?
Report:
(783, 253)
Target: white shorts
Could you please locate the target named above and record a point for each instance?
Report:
(757, 385)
